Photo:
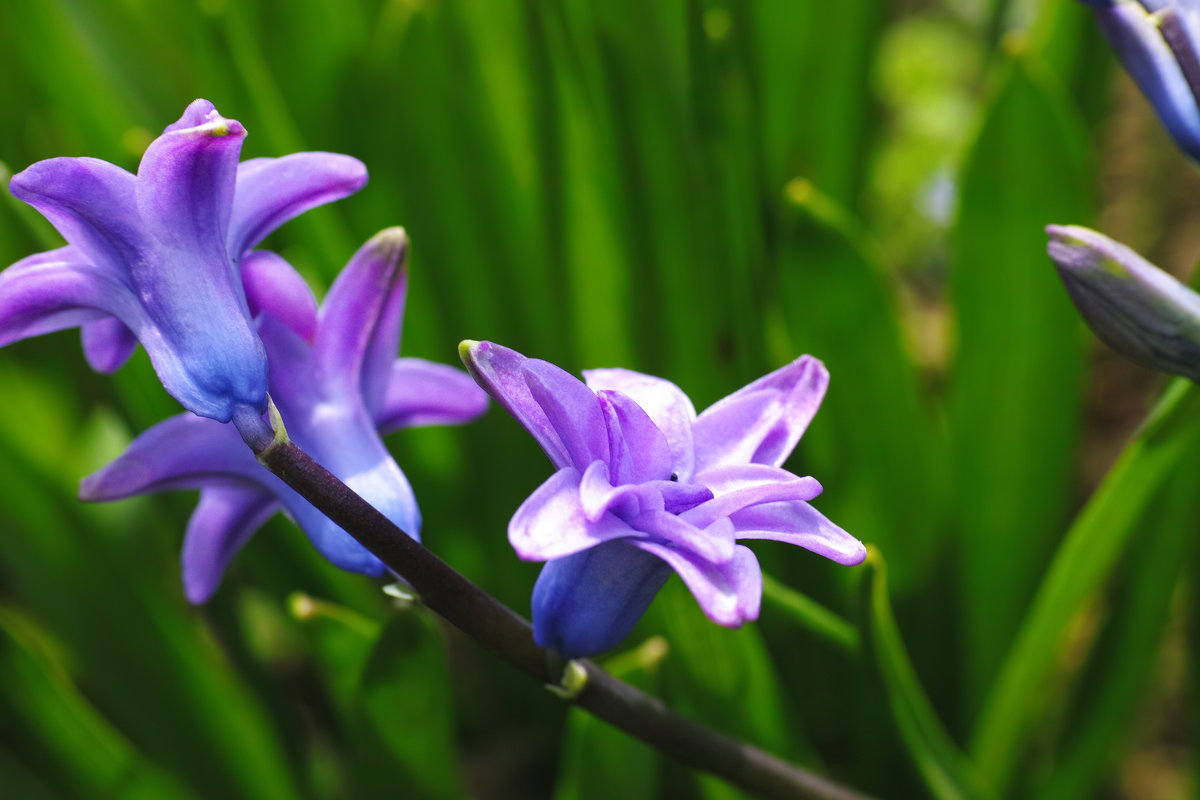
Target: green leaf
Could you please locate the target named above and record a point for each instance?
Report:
(76, 748)
(1098, 537)
(406, 699)
(1015, 387)
(947, 772)
(808, 613)
(873, 446)
(1108, 693)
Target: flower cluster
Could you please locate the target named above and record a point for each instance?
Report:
(166, 258)
(645, 486)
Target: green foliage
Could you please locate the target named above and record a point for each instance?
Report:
(702, 189)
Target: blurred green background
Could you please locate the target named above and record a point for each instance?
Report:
(696, 189)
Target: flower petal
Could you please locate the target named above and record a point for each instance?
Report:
(186, 182)
(500, 372)
(598, 497)
(800, 524)
(420, 392)
(224, 519)
(714, 543)
(209, 356)
(762, 422)
(587, 603)
(729, 594)
(271, 191)
(107, 344)
(639, 451)
(274, 287)
(42, 294)
(572, 409)
(739, 486)
(91, 203)
(182, 452)
(359, 330)
(552, 523)
(664, 402)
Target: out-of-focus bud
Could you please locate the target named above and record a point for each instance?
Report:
(1132, 305)
(1158, 42)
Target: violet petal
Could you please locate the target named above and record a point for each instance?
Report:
(421, 392)
(730, 594)
(587, 603)
(271, 191)
(800, 524)
(551, 523)
(224, 519)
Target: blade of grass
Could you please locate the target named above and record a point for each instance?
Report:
(947, 772)
(1097, 538)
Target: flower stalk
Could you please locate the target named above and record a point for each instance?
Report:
(503, 632)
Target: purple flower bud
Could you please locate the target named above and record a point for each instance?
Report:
(1158, 42)
(1132, 305)
(645, 487)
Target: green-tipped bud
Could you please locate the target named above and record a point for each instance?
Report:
(1132, 305)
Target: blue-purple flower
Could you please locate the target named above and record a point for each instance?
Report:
(645, 487)
(1158, 42)
(338, 385)
(1135, 307)
(153, 257)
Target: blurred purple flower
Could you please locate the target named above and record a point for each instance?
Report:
(1158, 42)
(644, 487)
(153, 257)
(338, 386)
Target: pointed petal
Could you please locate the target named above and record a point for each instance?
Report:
(420, 392)
(107, 344)
(91, 203)
(665, 403)
(197, 113)
(224, 520)
(587, 603)
(742, 485)
(274, 287)
(762, 422)
(1137, 39)
(639, 450)
(359, 330)
(714, 544)
(208, 355)
(500, 372)
(42, 294)
(729, 594)
(552, 523)
(186, 182)
(271, 191)
(572, 409)
(800, 524)
(183, 452)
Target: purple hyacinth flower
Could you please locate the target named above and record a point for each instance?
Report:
(338, 385)
(645, 487)
(153, 257)
(1158, 42)
(1135, 307)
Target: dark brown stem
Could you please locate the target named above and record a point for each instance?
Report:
(506, 634)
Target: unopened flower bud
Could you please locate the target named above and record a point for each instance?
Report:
(1133, 306)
